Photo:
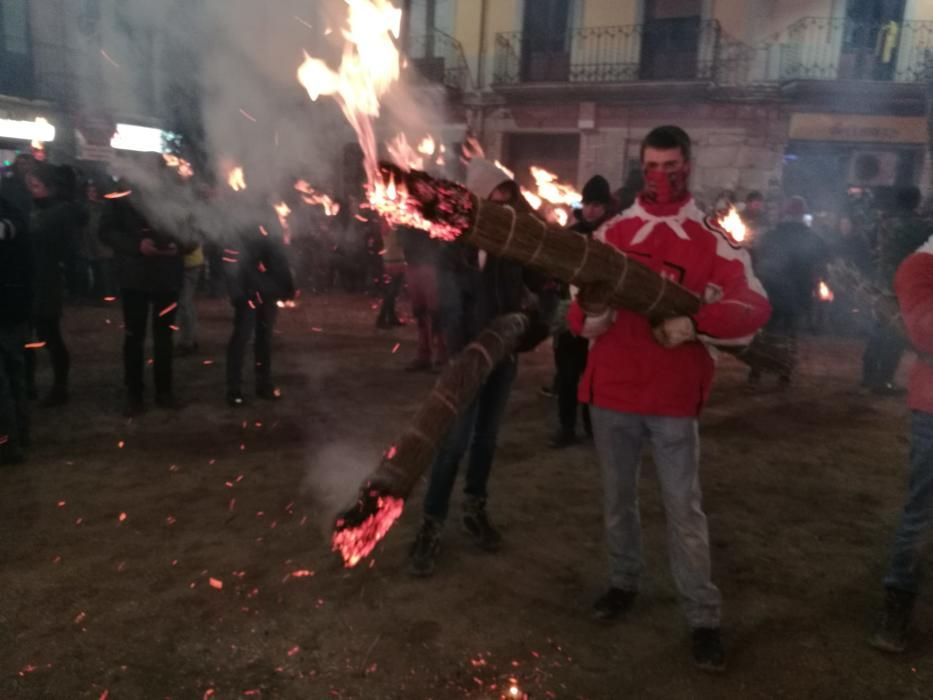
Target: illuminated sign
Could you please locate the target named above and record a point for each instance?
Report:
(38, 130)
(144, 139)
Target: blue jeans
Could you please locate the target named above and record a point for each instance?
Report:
(477, 428)
(913, 533)
(675, 446)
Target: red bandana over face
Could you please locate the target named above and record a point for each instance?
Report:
(664, 188)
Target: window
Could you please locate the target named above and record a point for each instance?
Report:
(14, 20)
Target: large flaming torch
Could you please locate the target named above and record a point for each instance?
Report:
(382, 496)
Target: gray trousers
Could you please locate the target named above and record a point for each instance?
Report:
(675, 446)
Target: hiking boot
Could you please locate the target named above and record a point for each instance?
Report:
(134, 406)
(708, 652)
(57, 397)
(235, 399)
(424, 550)
(476, 524)
(563, 439)
(613, 604)
(891, 633)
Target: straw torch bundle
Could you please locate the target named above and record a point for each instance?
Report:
(450, 211)
(382, 496)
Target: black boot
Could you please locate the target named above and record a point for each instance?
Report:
(476, 524)
(891, 633)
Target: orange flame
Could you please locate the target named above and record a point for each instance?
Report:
(826, 294)
(734, 225)
(236, 179)
(183, 167)
(356, 543)
(314, 198)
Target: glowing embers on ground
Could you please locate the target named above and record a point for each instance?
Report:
(733, 225)
(373, 516)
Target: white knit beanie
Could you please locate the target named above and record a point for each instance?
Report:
(483, 177)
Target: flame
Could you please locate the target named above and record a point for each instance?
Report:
(427, 146)
(550, 190)
(368, 68)
(179, 164)
(236, 179)
(314, 198)
(734, 225)
(356, 543)
(826, 294)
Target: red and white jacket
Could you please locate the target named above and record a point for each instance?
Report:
(627, 370)
(913, 284)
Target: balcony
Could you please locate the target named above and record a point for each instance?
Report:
(818, 48)
(682, 49)
(439, 59)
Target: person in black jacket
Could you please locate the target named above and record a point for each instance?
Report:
(789, 260)
(258, 276)
(570, 351)
(481, 288)
(55, 228)
(16, 277)
(149, 272)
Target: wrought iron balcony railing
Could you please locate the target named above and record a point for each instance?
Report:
(674, 49)
(818, 48)
(439, 59)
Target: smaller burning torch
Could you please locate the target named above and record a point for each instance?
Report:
(381, 498)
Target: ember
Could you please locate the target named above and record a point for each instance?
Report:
(358, 532)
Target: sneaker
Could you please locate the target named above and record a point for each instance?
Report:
(476, 524)
(427, 545)
(708, 652)
(134, 406)
(613, 604)
(891, 633)
(57, 397)
(235, 399)
(563, 439)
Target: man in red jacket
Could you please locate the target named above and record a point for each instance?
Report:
(914, 287)
(649, 383)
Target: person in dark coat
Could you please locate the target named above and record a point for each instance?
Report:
(789, 261)
(258, 276)
(54, 231)
(483, 288)
(16, 280)
(570, 351)
(149, 271)
(899, 234)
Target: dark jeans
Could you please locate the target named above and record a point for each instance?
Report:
(392, 285)
(477, 428)
(570, 353)
(248, 323)
(882, 355)
(136, 310)
(14, 406)
(49, 331)
(914, 533)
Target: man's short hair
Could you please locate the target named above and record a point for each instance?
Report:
(666, 137)
(907, 198)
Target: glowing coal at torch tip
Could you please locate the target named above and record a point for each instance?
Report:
(356, 543)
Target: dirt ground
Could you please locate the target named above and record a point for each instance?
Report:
(218, 581)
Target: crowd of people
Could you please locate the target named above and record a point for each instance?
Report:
(636, 384)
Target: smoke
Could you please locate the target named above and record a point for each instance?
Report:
(229, 67)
